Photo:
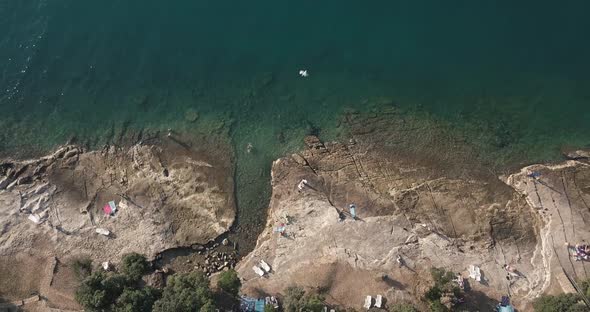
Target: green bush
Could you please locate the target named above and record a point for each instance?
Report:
(134, 266)
(562, 303)
(269, 308)
(444, 287)
(295, 300)
(585, 287)
(402, 307)
(230, 282)
(82, 267)
(313, 303)
(137, 300)
(437, 306)
(99, 291)
(186, 293)
(293, 297)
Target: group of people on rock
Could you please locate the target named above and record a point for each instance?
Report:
(581, 251)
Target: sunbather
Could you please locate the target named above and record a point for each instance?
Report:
(511, 271)
(581, 253)
(459, 280)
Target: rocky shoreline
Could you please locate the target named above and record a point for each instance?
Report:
(407, 207)
(73, 203)
(175, 199)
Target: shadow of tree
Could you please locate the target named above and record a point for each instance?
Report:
(393, 283)
(226, 301)
(478, 301)
(7, 306)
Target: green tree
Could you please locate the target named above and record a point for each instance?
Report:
(186, 293)
(313, 303)
(269, 308)
(562, 303)
(230, 282)
(137, 300)
(99, 291)
(295, 300)
(134, 266)
(292, 302)
(444, 288)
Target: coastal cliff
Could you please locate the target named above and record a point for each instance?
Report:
(408, 207)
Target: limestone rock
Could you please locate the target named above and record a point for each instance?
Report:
(313, 142)
(411, 208)
(299, 159)
(577, 155)
(193, 205)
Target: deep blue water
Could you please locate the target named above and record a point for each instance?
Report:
(512, 74)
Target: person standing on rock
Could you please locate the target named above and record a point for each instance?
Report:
(352, 209)
(512, 272)
(302, 184)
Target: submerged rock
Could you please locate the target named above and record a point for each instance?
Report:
(577, 155)
(191, 115)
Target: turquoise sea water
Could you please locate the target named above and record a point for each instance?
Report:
(512, 76)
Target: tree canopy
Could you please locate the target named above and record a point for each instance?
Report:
(134, 266)
(442, 295)
(562, 302)
(296, 300)
(230, 282)
(137, 300)
(186, 293)
(99, 291)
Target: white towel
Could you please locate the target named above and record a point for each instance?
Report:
(368, 302)
(258, 270)
(378, 301)
(265, 266)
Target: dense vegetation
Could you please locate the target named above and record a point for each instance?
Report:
(186, 293)
(230, 282)
(443, 295)
(134, 266)
(122, 292)
(296, 300)
(562, 302)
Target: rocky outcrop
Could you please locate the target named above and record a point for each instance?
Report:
(560, 195)
(167, 195)
(405, 206)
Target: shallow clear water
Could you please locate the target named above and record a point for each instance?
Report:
(512, 77)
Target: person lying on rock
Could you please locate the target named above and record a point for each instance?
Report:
(512, 272)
